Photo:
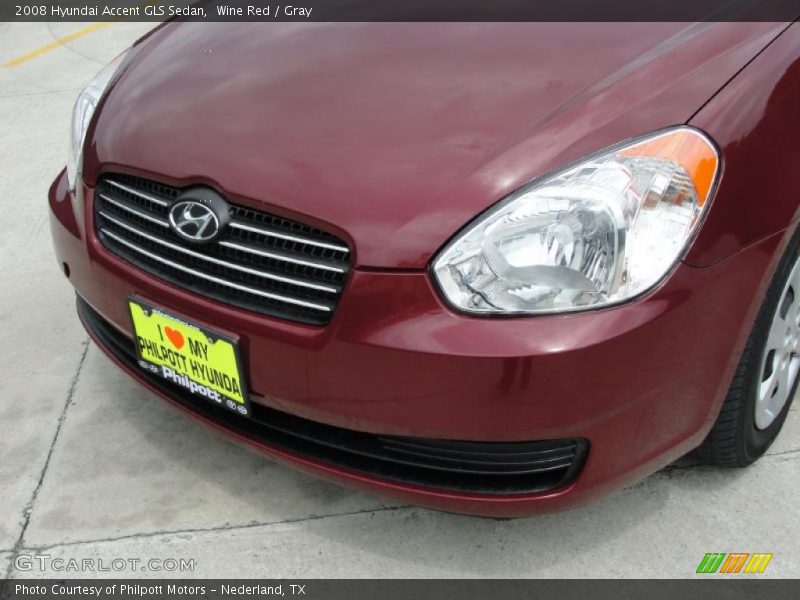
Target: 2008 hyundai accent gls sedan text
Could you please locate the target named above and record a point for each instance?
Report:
(489, 268)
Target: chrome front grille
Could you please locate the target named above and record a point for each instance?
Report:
(261, 262)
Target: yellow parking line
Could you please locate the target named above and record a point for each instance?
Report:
(55, 44)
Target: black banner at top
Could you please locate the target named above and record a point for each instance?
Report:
(400, 10)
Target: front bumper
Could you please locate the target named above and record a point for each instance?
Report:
(641, 382)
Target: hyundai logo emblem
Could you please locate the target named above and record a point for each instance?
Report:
(199, 215)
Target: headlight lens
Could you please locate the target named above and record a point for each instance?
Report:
(597, 233)
(82, 113)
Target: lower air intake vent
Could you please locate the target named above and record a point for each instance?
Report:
(481, 467)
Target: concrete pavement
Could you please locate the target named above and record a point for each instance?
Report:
(94, 467)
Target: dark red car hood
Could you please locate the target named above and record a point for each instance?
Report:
(396, 135)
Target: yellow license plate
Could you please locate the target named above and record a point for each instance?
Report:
(203, 362)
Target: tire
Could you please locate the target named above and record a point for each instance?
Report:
(752, 415)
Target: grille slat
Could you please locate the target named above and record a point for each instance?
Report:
(282, 257)
(139, 193)
(432, 461)
(446, 455)
(467, 457)
(291, 238)
(260, 262)
(135, 211)
(466, 449)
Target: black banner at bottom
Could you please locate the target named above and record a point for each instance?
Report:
(348, 589)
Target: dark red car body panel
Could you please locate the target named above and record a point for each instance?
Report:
(388, 130)
(756, 121)
(642, 382)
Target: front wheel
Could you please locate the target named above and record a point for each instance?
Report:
(765, 380)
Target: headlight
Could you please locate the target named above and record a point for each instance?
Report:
(597, 233)
(82, 113)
